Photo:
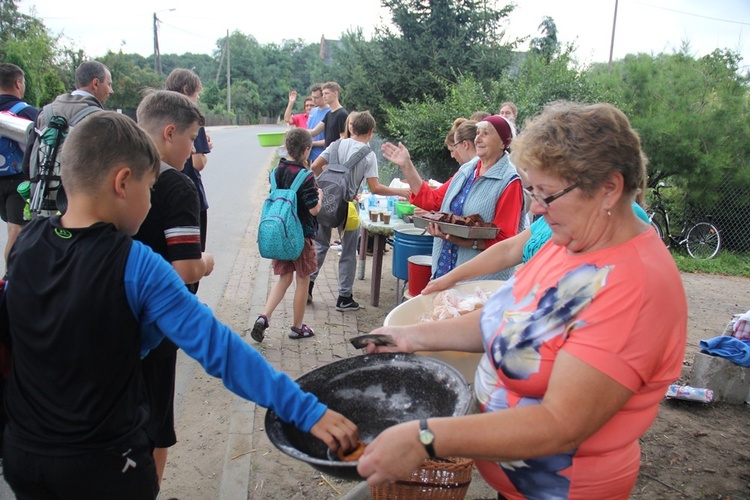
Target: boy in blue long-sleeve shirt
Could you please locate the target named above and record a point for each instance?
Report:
(84, 303)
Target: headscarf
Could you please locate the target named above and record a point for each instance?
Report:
(503, 128)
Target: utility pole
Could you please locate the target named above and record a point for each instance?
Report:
(612, 44)
(229, 80)
(157, 54)
(221, 62)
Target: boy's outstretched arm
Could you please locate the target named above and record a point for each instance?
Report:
(164, 307)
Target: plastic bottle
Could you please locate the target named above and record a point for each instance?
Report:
(364, 198)
(24, 189)
(391, 203)
(689, 393)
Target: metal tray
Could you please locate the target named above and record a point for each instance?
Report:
(474, 233)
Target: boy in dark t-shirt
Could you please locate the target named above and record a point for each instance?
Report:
(334, 123)
(188, 83)
(84, 303)
(298, 143)
(171, 229)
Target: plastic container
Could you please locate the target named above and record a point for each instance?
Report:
(689, 393)
(24, 189)
(408, 241)
(402, 208)
(271, 139)
(409, 312)
(420, 270)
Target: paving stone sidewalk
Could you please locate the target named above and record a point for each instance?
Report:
(247, 476)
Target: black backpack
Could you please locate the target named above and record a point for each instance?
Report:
(334, 182)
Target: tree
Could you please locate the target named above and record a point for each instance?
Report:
(203, 65)
(128, 80)
(432, 42)
(422, 125)
(539, 81)
(693, 116)
(546, 46)
(24, 41)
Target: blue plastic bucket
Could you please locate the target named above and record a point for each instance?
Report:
(407, 241)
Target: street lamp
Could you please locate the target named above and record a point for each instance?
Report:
(157, 54)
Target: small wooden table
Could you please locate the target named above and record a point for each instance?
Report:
(379, 232)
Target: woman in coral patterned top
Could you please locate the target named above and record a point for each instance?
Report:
(580, 345)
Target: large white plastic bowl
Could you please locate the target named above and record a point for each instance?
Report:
(409, 312)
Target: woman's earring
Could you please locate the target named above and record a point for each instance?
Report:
(609, 213)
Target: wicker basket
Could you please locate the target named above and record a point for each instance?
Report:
(437, 479)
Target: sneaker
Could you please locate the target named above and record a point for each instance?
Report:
(309, 292)
(259, 328)
(336, 248)
(346, 304)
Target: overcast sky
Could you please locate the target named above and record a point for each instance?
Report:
(650, 26)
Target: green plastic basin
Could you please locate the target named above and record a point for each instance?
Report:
(271, 139)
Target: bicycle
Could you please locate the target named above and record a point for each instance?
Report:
(701, 238)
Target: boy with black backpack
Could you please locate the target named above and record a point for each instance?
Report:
(336, 156)
(290, 173)
(12, 90)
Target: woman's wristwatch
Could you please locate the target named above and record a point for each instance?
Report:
(426, 437)
(475, 245)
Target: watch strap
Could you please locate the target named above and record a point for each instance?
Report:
(427, 446)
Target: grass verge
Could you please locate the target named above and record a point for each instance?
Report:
(727, 263)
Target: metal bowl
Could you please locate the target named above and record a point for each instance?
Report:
(375, 392)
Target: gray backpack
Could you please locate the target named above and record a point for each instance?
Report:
(334, 182)
(47, 193)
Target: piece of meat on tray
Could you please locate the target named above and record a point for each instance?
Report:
(473, 220)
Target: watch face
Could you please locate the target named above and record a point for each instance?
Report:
(426, 437)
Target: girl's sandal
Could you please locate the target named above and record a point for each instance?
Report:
(259, 328)
(300, 333)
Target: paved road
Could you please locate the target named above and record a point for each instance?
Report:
(235, 165)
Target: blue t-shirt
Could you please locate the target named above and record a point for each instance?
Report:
(316, 116)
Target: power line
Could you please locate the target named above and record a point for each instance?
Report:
(691, 14)
(180, 29)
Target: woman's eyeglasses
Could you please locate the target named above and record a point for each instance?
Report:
(456, 144)
(544, 202)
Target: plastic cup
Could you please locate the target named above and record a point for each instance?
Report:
(374, 214)
(386, 217)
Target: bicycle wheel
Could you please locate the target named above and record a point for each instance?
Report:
(703, 240)
(659, 222)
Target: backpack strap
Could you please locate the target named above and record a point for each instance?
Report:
(333, 157)
(47, 115)
(300, 179)
(357, 157)
(272, 178)
(83, 114)
(18, 107)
